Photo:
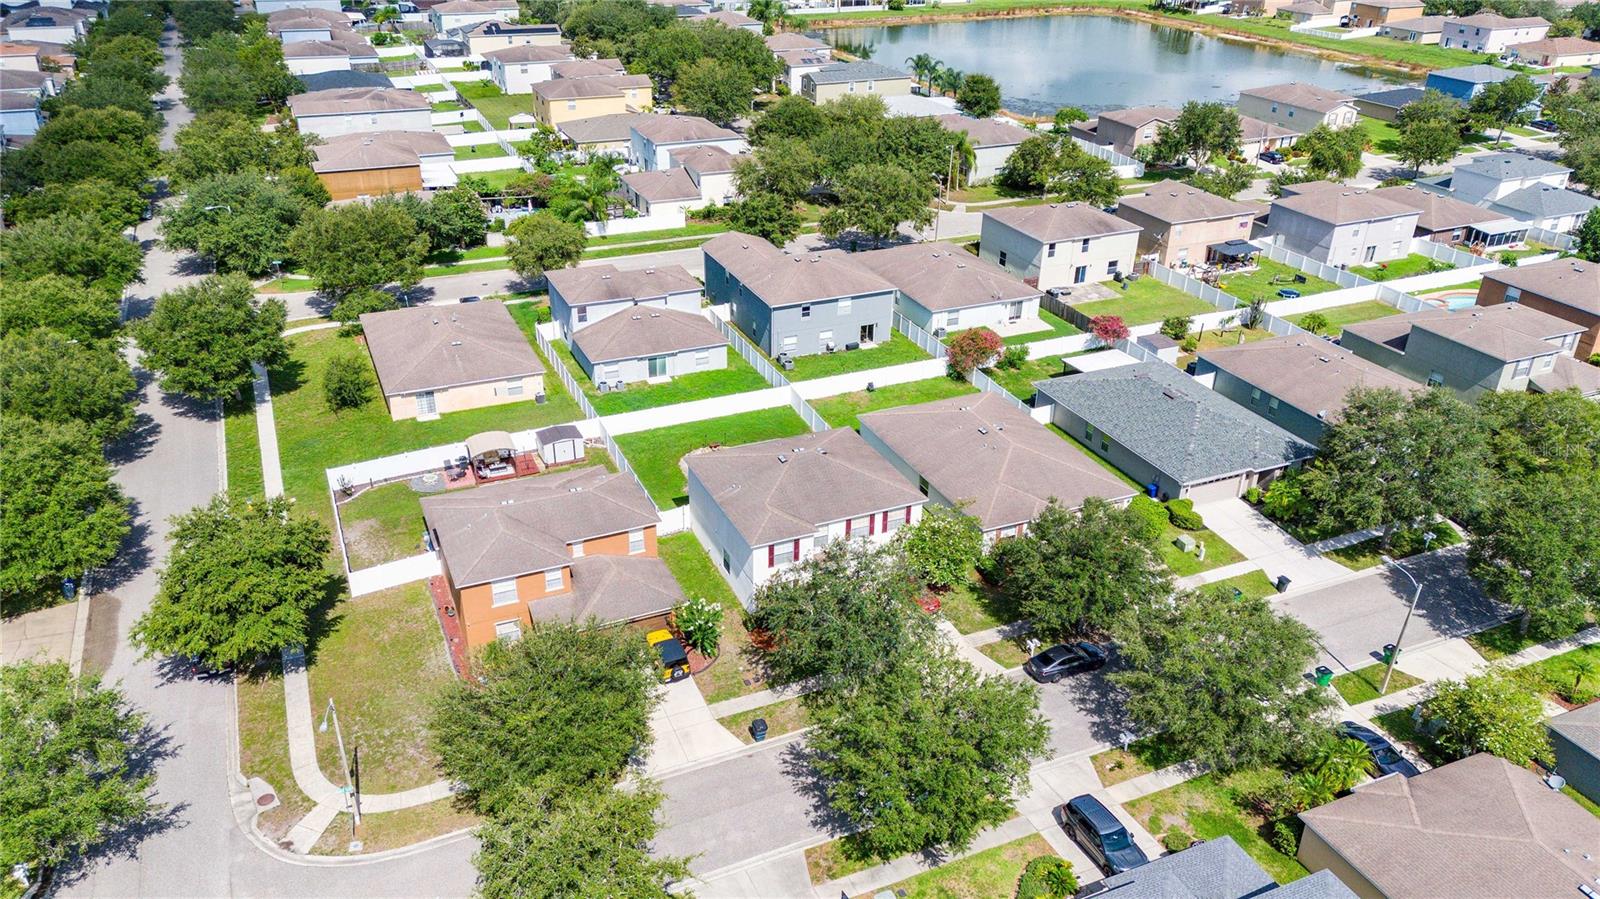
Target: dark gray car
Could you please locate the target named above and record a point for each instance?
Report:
(1102, 837)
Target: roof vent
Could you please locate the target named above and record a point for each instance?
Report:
(436, 321)
(605, 277)
(1322, 413)
(1169, 393)
(782, 459)
(649, 271)
(961, 265)
(1323, 359)
(982, 429)
(822, 451)
(455, 343)
(655, 315)
(637, 317)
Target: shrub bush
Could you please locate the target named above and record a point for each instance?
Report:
(347, 382)
(973, 348)
(497, 224)
(1176, 840)
(1013, 357)
(1284, 839)
(1253, 496)
(1154, 516)
(700, 621)
(1190, 344)
(1182, 514)
(1047, 877)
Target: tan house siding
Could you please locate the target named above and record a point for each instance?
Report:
(1365, 16)
(478, 614)
(371, 182)
(469, 396)
(1126, 140)
(895, 87)
(617, 544)
(553, 113)
(1493, 293)
(1317, 855)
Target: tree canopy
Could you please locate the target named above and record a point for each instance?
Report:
(1430, 130)
(1053, 164)
(226, 142)
(80, 247)
(241, 221)
(345, 248)
(875, 200)
(1201, 131)
(541, 242)
(201, 339)
(50, 377)
(719, 91)
(979, 96)
(1488, 712)
(59, 303)
(1332, 152)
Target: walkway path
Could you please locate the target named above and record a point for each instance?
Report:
(1266, 545)
(685, 730)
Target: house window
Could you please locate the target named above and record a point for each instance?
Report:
(1085, 247)
(1002, 257)
(852, 87)
(1274, 107)
(1523, 369)
(1272, 406)
(791, 342)
(507, 631)
(1394, 248)
(805, 311)
(772, 555)
(1513, 294)
(922, 484)
(1435, 379)
(611, 373)
(426, 404)
(727, 563)
(552, 580)
(583, 314)
(1111, 267)
(635, 542)
(794, 551)
(577, 550)
(1088, 432)
(514, 387)
(505, 592)
(572, 104)
(1050, 252)
(951, 319)
(1255, 395)
(702, 358)
(1291, 113)
(844, 307)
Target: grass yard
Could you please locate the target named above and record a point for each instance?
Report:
(1383, 137)
(264, 748)
(1019, 381)
(243, 441)
(1501, 640)
(1146, 300)
(1143, 756)
(604, 252)
(1216, 339)
(428, 88)
(738, 377)
(396, 830)
(657, 455)
(382, 660)
(844, 410)
(1218, 551)
(976, 605)
(1399, 725)
(1572, 677)
(992, 872)
(1368, 553)
(1253, 584)
(784, 716)
(693, 229)
(731, 675)
(1008, 653)
(1055, 326)
(449, 106)
(312, 439)
(1207, 807)
(1414, 264)
(1361, 685)
(496, 180)
(381, 525)
(1588, 804)
(480, 151)
(898, 349)
(837, 858)
(1099, 460)
(1268, 278)
(1534, 248)
(1340, 316)
(498, 108)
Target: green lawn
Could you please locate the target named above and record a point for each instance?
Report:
(1501, 640)
(738, 377)
(1384, 136)
(264, 747)
(381, 525)
(1008, 653)
(992, 872)
(1208, 807)
(428, 88)
(730, 676)
(1146, 300)
(898, 349)
(312, 439)
(1019, 381)
(1340, 316)
(498, 108)
(1399, 725)
(1361, 685)
(1218, 551)
(1268, 278)
(604, 252)
(1143, 756)
(1099, 460)
(976, 605)
(657, 455)
(243, 441)
(1414, 264)
(693, 229)
(1253, 584)
(478, 90)
(844, 410)
(782, 717)
(480, 151)
(449, 106)
(1054, 327)
(1368, 553)
(1587, 804)
(497, 179)
(396, 830)
(1573, 676)
(470, 126)
(1217, 338)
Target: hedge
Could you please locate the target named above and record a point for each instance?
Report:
(1182, 514)
(1039, 880)
(1155, 517)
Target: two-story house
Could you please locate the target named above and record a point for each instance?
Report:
(1341, 225)
(626, 326)
(455, 15)
(1058, 244)
(382, 162)
(1126, 130)
(1489, 32)
(992, 143)
(1377, 13)
(582, 296)
(1297, 106)
(652, 141)
(1566, 288)
(763, 507)
(940, 287)
(1554, 52)
(797, 304)
(313, 57)
(515, 70)
(1444, 219)
(1494, 176)
(1179, 223)
(577, 545)
(486, 37)
(564, 99)
(799, 56)
(291, 25)
(846, 79)
(331, 113)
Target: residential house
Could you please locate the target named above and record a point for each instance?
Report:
(1466, 82)
(992, 142)
(843, 79)
(1126, 130)
(20, 117)
(582, 296)
(487, 37)
(648, 343)
(799, 55)
(1480, 826)
(1575, 735)
(941, 287)
(292, 25)
(1257, 137)
(654, 139)
(1386, 104)
(1566, 288)
(1474, 350)
(46, 24)
(763, 507)
(20, 57)
(1342, 226)
(564, 99)
(268, 7)
(917, 106)
(1297, 106)
(1378, 13)
(1298, 382)
(311, 57)
(515, 70)
(443, 48)
(983, 455)
(1489, 177)
(1180, 223)
(1418, 30)
(1215, 869)
(1551, 208)
(457, 15)
(1557, 51)
(1267, 8)
(1489, 32)
(1162, 428)
(711, 168)
(327, 81)
(37, 84)
(577, 545)
(587, 68)
(1445, 219)
(1310, 14)
(1058, 244)
(371, 164)
(339, 111)
(797, 305)
(794, 40)
(432, 360)
(666, 192)
(731, 19)
(603, 134)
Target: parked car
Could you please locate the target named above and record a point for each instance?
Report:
(1272, 156)
(471, 299)
(1101, 836)
(1544, 125)
(1063, 659)
(674, 661)
(1388, 759)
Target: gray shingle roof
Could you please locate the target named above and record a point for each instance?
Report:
(1506, 166)
(984, 451)
(435, 347)
(678, 129)
(663, 185)
(1581, 727)
(941, 276)
(322, 81)
(986, 132)
(614, 128)
(842, 72)
(1305, 96)
(1060, 221)
(1473, 74)
(349, 101)
(1570, 374)
(779, 279)
(1341, 207)
(531, 53)
(1437, 212)
(646, 331)
(378, 150)
(1538, 201)
(1507, 331)
(1175, 424)
(580, 286)
(1215, 869)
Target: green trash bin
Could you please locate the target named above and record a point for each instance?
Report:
(1389, 652)
(1324, 675)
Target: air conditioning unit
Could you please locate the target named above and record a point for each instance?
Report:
(938, 332)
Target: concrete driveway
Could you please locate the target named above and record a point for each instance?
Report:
(1083, 711)
(1266, 545)
(684, 730)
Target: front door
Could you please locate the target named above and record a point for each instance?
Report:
(868, 332)
(658, 366)
(1080, 274)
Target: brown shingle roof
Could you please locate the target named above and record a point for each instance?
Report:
(612, 128)
(787, 488)
(1308, 373)
(984, 451)
(1570, 282)
(1140, 116)
(1570, 374)
(531, 53)
(1305, 96)
(349, 100)
(705, 159)
(602, 283)
(519, 527)
(1175, 202)
(985, 132)
(1479, 827)
(600, 86)
(731, 19)
(611, 589)
(1252, 129)
(663, 186)
(467, 7)
(790, 40)
(1342, 207)
(435, 347)
(1493, 20)
(780, 279)
(1438, 212)
(587, 68)
(309, 49)
(1060, 221)
(942, 276)
(378, 150)
(296, 14)
(646, 331)
(678, 129)
(1558, 46)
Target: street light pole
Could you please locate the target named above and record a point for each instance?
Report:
(344, 763)
(1416, 597)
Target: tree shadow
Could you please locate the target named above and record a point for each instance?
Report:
(193, 265)
(185, 406)
(797, 765)
(137, 443)
(134, 556)
(287, 376)
(1102, 703)
(1452, 604)
(323, 619)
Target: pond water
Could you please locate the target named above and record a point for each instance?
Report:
(1102, 62)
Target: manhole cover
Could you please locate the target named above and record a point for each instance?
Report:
(266, 799)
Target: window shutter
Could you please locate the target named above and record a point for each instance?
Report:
(908, 514)
(772, 555)
(847, 526)
(796, 555)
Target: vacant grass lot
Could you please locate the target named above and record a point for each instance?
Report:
(1268, 278)
(657, 455)
(1253, 584)
(1414, 264)
(992, 872)
(1208, 807)
(396, 830)
(1146, 300)
(896, 350)
(844, 410)
(1340, 316)
(731, 675)
(381, 525)
(1361, 685)
(738, 377)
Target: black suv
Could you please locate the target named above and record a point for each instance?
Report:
(1093, 827)
(1063, 659)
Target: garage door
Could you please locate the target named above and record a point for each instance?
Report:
(1227, 488)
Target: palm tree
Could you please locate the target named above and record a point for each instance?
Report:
(384, 16)
(1342, 762)
(923, 66)
(1581, 668)
(948, 80)
(963, 157)
(768, 12)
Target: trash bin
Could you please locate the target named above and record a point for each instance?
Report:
(1324, 675)
(1389, 652)
(758, 729)
(1283, 583)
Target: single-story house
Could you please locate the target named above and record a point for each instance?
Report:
(1466, 82)
(1420, 30)
(583, 296)
(456, 15)
(1297, 106)
(731, 19)
(1445, 219)
(1215, 869)
(486, 37)
(1480, 826)
(1557, 51)
(648, 343)
(575, 545)
(1471, 351)
(1058, 244)
(1576, 738)
(310, 57)
(378, 163)
(292, 25)
(1179, 223)
(19, 117)
(1310, 13)
(654, 139)
(984, 455)
(515, 70)
(1257, 137)
(662, 192)
(1342, 226)
(331, 113)
(941, 287)
(992, 142)
(1125, 130)
(1162, 428)
(843, 79)
(1377, 13)
(762, 507)
(797, 305)
(432, 360)
(603, 134)
(1489, 32)
(564, 99)
(1566, 288)
(1386, 104)
(1298, 382)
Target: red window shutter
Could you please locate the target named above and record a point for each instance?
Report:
(872, 525)
(886, 521)
(772, 555)
(908, 514)
(796, 553)
(847, 523)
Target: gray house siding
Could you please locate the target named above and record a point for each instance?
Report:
(727, 548)
(1579, 767)
(901, 465)
(565, 315)
(638, 369)
(1431, 360)
(1125, 460)
(810, 325)
(1301, 423)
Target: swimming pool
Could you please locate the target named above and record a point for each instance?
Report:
(1452, 299)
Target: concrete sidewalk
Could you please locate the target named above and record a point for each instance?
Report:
(1266, 545)
(267, 434)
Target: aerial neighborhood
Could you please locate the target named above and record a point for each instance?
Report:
(549, 448)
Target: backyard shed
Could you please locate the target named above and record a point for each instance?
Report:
(559, 444)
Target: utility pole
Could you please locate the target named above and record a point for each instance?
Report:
(1416, 597)
(352, 804)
